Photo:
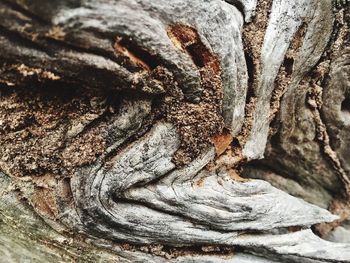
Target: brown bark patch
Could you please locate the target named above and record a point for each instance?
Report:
(34, 124)
(222, 142)
(169, 252)
(338, 207)
(188, 39)
(235, 176)
(199, 183)
(85, 149)
(198, 122)
(44, 201)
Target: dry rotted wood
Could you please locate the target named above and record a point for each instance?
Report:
(125, 128)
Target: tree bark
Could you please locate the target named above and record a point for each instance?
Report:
(174, 131)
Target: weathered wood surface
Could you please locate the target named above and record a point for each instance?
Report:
(125, 127)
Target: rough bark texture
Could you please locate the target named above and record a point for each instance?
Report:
(174, 131)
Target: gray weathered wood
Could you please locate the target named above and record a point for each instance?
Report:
(125, 126)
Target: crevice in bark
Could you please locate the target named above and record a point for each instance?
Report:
(345, 106)
(169, 252)
(15, 6)
(253, 37)
(136, 54)
(318, 77)
(251, 75)
(340, 205)
(284, 76)
(20, 40)
(269, 167)
(52, 41)
(314, 100)
(188, 39)
(197, 122)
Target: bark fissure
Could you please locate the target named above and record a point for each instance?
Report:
(253, 37)
(285, 74)
(136, 54)
(315, 103)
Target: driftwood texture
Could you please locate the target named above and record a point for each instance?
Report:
(174, 131)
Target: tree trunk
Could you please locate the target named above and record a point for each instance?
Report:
(174, 131)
